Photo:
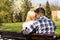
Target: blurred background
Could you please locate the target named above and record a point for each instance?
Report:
(13, 12)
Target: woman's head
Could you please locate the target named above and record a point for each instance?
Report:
(30, 16)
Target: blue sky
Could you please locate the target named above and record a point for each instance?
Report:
(57, 2)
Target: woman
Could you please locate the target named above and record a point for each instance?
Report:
(29, 20)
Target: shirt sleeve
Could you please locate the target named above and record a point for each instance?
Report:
(53, 27)
(27, 28)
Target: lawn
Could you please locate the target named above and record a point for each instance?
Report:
(16, 27)
(58, 27)
(12, 27)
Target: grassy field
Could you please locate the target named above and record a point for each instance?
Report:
(16, 27)
(58, 27)
(12, 27)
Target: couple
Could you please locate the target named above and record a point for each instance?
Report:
(38, 23)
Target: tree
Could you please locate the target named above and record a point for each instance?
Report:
(4, 10)
(48, 10)
(19, 10)
(25, 8)
(15, 10)
(39, 5)
(54, 7)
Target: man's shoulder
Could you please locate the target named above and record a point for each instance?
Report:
(47, 19)
(50, 20)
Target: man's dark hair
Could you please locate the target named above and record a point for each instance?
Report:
(41, 10)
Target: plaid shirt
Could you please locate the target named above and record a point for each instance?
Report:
(42, 25)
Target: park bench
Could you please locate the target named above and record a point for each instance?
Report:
(19, 36)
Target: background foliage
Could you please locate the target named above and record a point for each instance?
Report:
(10, 13)
(48, 10)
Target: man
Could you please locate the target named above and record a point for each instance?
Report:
(42, 25)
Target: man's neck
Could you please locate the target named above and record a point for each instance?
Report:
(41, 16)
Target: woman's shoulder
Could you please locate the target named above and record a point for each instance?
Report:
(30, 22)
(27, 23)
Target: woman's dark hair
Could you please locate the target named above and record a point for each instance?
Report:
(41, 10)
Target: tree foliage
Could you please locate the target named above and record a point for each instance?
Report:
(48, 10)
(13, 11)
(25, 8)
(4, 10)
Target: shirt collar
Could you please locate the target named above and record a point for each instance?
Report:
(41, 18)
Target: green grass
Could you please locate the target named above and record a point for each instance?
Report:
(17, 27)
(58, 27)
(12, 27)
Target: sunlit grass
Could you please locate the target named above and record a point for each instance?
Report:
(57, 27)
(17, 27)
(13, 27)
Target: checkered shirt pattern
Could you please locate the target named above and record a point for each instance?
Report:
(42, 26)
